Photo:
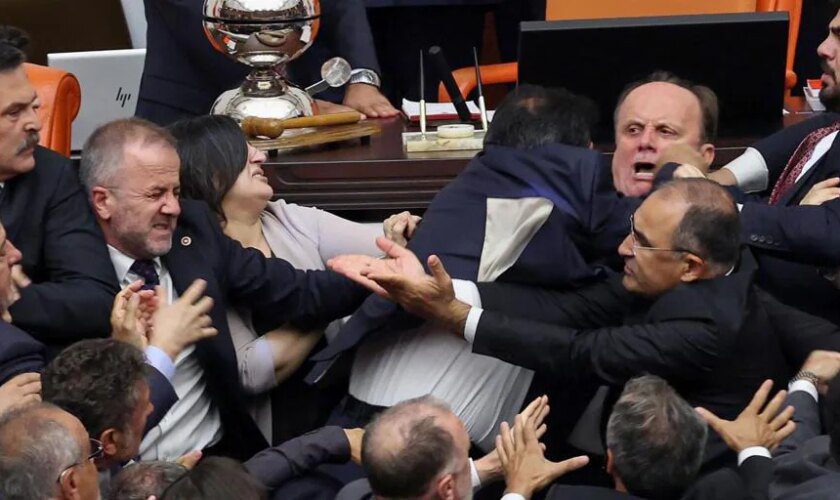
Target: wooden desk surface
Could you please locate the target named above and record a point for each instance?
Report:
(367, 182)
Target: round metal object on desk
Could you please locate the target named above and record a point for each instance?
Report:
(264, 34)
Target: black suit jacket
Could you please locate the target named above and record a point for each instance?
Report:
(276, 466)
(47, 216)
(242, 277)
(805, 467)
(183, 74)
(796, 246)
(715, 341)
(748, 482)
(19, 352)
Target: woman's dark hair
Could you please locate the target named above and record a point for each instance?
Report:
(213, 152)
(216, 478)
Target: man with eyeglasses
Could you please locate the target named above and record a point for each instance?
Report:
(45, 452)
(685, 309)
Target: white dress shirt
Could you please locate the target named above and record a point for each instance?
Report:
(482, 391)
(751, 172)
(193, 422)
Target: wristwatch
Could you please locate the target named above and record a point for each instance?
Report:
(366, 76)
(806, 375)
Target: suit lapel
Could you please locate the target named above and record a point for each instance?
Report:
(185, 265)
(830, 161)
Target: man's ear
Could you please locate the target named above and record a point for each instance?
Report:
(68, 483)
(99, 201)
(445, 487)
(694, 268)
(111, 439)
(707, 151)
(610, 464)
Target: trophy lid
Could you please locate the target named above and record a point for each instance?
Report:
(260, 11)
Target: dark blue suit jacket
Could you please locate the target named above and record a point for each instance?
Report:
(19, 352)
(576, 245)
(184, 74)
(242, 277)
(47, 216)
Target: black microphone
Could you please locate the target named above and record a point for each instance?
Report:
(445, 75)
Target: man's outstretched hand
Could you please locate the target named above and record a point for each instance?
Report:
(757, 425)
(400, 277)
(523, 460)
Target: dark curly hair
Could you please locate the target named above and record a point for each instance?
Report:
(12, 42)
(97, 381)
(213, 152)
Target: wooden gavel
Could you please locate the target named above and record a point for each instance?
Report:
(272, 128)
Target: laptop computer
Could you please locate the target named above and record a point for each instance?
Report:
(110, 81)
(739, 56)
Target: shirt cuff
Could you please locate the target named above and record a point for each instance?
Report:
(474, 478)
(752, 451)
(471, 325)
(513, 496)
(467, 292)
(750, 171)
(160, 361)
(805, 386)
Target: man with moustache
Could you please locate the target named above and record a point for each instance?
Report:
(796, 247)
(66, 283)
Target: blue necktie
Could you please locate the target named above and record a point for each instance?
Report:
(145, 268)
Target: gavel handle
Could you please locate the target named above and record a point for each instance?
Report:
(322, 120)
(269, 127)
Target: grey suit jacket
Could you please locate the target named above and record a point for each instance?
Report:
(804, 465)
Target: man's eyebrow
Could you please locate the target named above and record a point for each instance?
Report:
(19, 104)
(640, 235)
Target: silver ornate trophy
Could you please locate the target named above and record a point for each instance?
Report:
(264, 34)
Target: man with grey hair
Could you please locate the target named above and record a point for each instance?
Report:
(103, 383)
(141, 480)
(45, 453)
(131, 171)
(655, 440)
(655, 443)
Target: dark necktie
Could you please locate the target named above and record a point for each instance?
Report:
(798, 160)
(145, 268)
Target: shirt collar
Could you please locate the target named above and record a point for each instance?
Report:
(122, 263)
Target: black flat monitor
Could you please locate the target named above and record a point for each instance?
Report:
(739, 56)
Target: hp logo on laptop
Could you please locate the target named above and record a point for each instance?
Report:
(122, 97)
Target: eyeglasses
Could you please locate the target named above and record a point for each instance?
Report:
(636, 245)
(97, 451)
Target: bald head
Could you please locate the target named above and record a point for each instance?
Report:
(710, 226)
(37, 443)
(407, 447)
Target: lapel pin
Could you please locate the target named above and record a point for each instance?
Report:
(186, 241)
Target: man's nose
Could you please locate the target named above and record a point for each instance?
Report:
(171, 206)
(646, 139)
(13, 255)
(34, 123)
(626, 247)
